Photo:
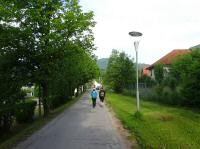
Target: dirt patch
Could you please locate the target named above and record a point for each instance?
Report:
(166, 118)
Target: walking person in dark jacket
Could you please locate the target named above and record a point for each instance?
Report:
(102, 94)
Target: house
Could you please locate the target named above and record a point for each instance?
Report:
(166, 61)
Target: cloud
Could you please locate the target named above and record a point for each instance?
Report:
(166, 25)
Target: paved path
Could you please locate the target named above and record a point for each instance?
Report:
(77, 128)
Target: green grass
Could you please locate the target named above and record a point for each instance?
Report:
(157, 126)
(21, 132)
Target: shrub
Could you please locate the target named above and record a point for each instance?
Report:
(129, 92)
(6, 118)
(148, 81)
(25, 111)
(56, 101)
(186, 70)
(164, 94)
(159, 93)
(27, 90)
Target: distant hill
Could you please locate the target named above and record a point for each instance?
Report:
(103, 62)
(195, 47)
(142, 65)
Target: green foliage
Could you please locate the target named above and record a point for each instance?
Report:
(181, 85)
(160, 126)
(129, 92)
(36, 91)
(159, 73)
(6, 118)
(170, 81)
(186, 70)
(9, 140)
(27, 90)
(49, 43)
(56, 101)
(149, 82)
(163, 94)
(120, 71)
(138, 115)
(25, 111)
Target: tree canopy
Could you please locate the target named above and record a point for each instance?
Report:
(120, 73)
(48, 42)
(186, 71)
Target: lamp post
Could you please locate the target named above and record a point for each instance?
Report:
(136, 35)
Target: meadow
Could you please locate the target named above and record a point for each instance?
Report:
(157, 126)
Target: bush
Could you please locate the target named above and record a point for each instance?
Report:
(164, 94)
(37, 91)
(27, 90)
(129, 92)
(25, 111)
(6, 118)
(148, 81)
(186, 70)
(160, 94)
(56, 101)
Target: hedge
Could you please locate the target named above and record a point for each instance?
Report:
(23, 112)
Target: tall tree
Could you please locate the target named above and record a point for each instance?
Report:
(186, 70)
(47, 33)
(159, 73)
(120, 71)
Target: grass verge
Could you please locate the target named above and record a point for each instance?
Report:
(157, 126)
(21, 132)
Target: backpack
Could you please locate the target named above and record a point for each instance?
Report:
(94, 94)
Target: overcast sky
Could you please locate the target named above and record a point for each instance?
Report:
(165, 24)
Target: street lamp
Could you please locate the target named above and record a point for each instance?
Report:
(136, 36)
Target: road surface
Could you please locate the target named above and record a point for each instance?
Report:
(78, 127)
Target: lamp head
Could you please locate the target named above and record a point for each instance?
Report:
(135, 34)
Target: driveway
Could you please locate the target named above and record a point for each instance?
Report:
(78, 127)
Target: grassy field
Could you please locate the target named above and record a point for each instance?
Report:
(159, 127)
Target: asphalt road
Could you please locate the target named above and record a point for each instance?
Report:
(78, 127)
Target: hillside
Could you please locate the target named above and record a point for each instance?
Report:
(195, 47)
(103, 62)
(142, 65)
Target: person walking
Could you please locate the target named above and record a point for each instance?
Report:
(102, 94)
(94, 97)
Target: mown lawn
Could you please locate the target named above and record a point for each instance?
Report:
(160, 126)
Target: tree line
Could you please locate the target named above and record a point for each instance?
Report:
(180, 86)
(48, 43)
(120, 73)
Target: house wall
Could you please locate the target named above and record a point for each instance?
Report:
(152, 74)
(166, 70)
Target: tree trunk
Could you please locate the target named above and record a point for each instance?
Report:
(71, 93)
(40, 111)
(44, 98)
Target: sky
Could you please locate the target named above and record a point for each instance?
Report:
(165, 25)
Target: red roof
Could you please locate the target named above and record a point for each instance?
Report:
(167, 59)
